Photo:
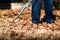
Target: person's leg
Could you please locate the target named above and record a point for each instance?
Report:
(49, 10)
(36, 7)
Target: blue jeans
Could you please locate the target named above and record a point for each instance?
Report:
(36, 8)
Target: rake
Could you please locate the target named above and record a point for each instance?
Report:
(23, 8)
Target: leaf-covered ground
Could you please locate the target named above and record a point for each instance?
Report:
(23, 29)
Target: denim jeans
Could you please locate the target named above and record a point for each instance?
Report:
(36, 8)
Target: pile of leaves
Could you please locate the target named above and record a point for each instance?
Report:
(24, 29)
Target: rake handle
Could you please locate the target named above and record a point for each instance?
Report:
(23, 8)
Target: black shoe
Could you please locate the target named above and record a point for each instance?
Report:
(36, 22)
(52, 21)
